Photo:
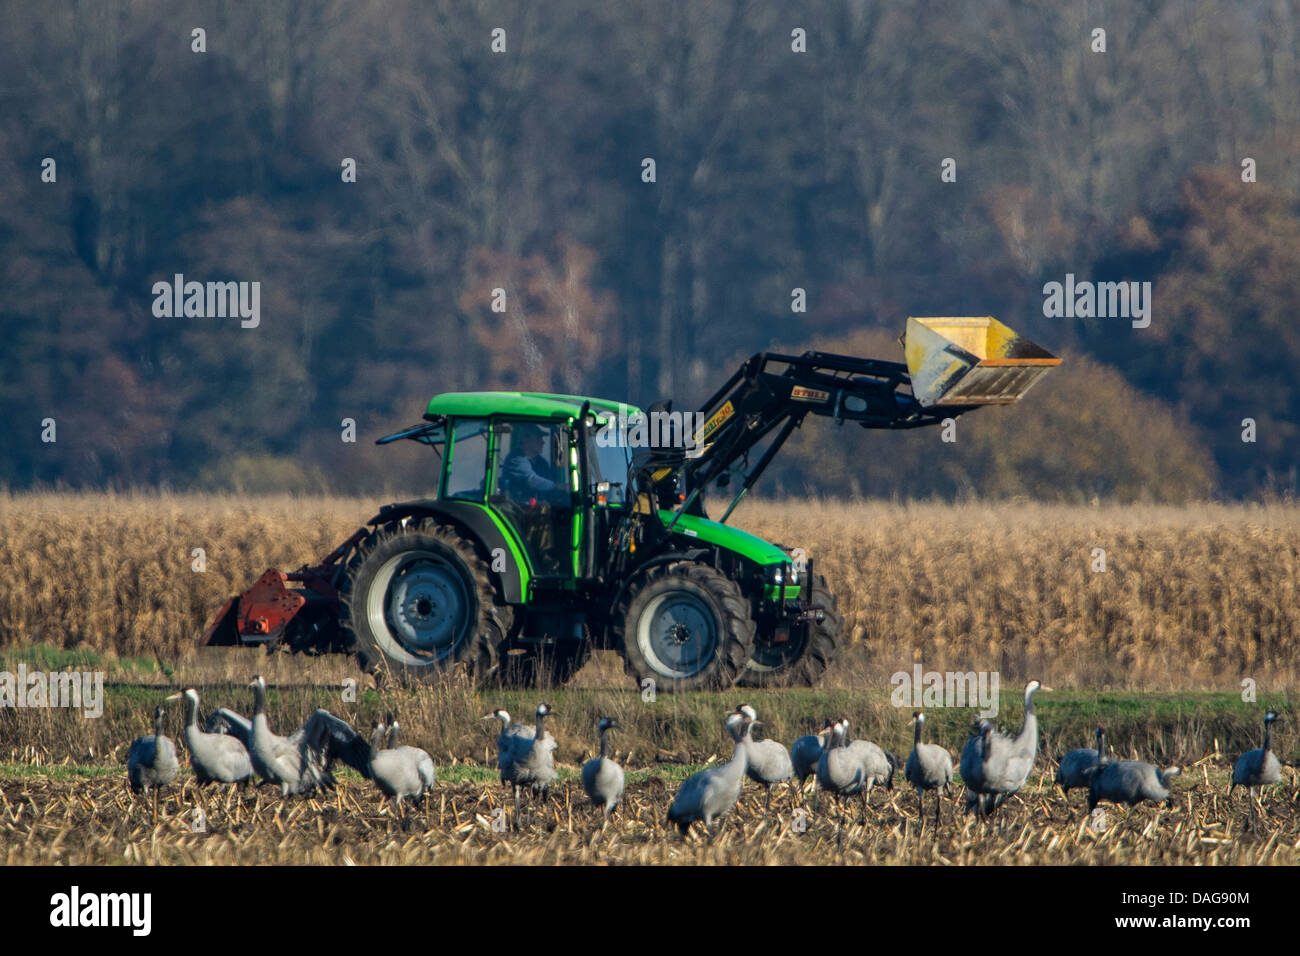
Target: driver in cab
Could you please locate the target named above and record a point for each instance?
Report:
(528, 473)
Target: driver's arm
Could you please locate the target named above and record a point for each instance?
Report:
(521, 471)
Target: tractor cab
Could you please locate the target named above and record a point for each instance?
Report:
(532, 462)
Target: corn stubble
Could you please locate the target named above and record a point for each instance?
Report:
(47, 821)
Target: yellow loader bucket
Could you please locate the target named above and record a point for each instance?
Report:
(971, 361)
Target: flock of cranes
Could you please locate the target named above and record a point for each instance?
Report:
(994, 765)
(233, 750)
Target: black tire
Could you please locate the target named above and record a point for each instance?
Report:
(804, 658)
(685, 626)
(419, 603)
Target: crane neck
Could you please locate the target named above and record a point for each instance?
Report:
(916, 736)
(157, 724)
(259, 698)
(191, 713)
(739, 758)
(1101, 747)
(1029, 700)
(604, 743)
(1268, 736)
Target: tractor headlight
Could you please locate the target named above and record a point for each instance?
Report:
(777, 574)
(794, 574)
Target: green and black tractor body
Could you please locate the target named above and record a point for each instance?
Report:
(560, 524)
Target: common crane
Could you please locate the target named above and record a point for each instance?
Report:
(216, 758)
(300, 763)
(1259, 767)
(840, 771)
(712, 793)
(878, 763)
(1130, 782)
(995, 765)
(1076, 766)
(767, 762)
(806, 752)
(151, 762)
(423, 762)
(525, 755)
(929, 767)
(602, 778)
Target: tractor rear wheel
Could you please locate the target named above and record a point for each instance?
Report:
(685, 626)
(419, 602)
(801, 659)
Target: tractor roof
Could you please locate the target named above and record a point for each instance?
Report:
(529, 404)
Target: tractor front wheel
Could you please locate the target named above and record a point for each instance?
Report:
(419, 602)
(809, 648)
(685, 626)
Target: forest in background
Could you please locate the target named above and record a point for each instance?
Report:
(522, 170)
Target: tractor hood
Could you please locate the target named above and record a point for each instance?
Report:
(747, 545)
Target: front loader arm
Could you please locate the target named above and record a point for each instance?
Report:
(953, 365)
(772, 390)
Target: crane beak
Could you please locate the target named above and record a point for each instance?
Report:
(173, 697)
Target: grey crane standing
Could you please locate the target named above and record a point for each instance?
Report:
(1077, 765)
(151, 762)
(216, 758)
(1259, 767)
(995, 765)
(512, 738)
(423, 762)
(878, 763)
(396, 771)
(1130, 782)
(300, 763)
(840, 771)
(929, 767)
(807, 751)
(231, 723)
(602, 778)
(767, 762)
(709, 794)
(525, 756)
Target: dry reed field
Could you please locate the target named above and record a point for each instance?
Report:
(1191, 597)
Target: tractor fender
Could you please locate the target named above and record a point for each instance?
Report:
(476, 522)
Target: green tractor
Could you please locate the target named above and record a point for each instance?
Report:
(560, 524)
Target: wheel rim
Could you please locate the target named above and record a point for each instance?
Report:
(678, 634)
(419, 608)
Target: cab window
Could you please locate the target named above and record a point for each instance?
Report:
(467, 470)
